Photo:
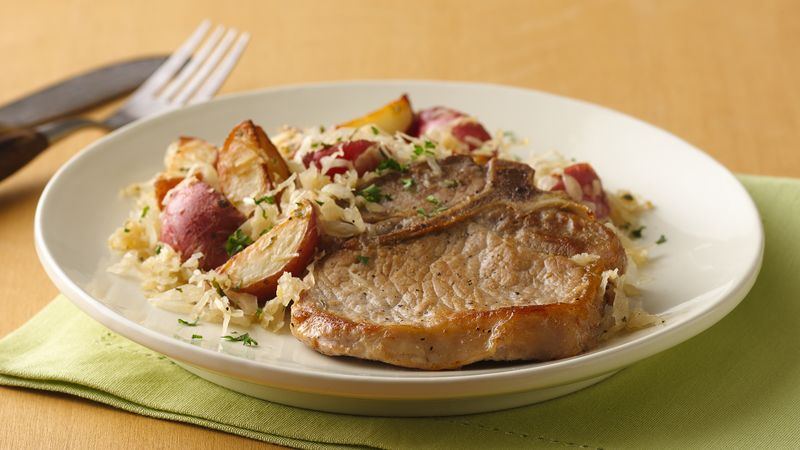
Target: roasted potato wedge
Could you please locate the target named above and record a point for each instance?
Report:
(391, 118)
(199, 219)
(163, 184)
(249, 165)
(289, 247)
(187, 151)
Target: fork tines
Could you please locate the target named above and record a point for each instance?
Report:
(178, 82)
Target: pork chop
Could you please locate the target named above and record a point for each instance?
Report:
(487, 273)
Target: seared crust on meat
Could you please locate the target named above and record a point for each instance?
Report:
(531, 332)
(488, 275)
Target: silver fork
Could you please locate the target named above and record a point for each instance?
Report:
(175, 83)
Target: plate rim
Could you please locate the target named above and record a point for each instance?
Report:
(525, 377)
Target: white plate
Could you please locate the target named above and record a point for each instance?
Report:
(708, 264)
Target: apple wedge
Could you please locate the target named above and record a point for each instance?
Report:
(288, 247)
(391, 118)
(249, 165)
(187, 151)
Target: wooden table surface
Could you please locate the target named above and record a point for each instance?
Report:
(722, 74)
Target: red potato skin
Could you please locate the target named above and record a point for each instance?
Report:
(585, 175)
(266, 288)
(467, 132)
(199, 219)
(470, 133)
(362, 153)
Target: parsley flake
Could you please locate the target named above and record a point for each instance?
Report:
(419, 150)
(422, 212)
(451, 183)
(197, 336)
(391, 164)
(375, 130)
(363, 259)
(319, 202)
(237, 242)
(637, 232)
(373, 193)
(259, 312)
(269, 199)
(218, 288)
(144, 211)
(432, 199)
(158, 249)
(661, 240)
(511, 136)
(627, 197)
(126, 229)
(408, 183)
(188, 324)
(245, 339)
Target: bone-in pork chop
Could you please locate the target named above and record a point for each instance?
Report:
(465, 263)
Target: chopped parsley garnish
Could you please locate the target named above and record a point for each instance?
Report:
(179, 290)
(197, 336)
(245, 339)
(363, 259)
(126, 229)
(373, 193)
(375, 130)
(237, 242)
(627, 197)
(269, 199)
(259, 312)
(314, 144)
(158, 249)
(218, 288)
(144, 211)
(439, 207)
(319, 202)
(661, 240)
(322, 128)
(637, 232)
(451, 183)
(188, 324)
(408, 183)
(391, 164)
(419, 150)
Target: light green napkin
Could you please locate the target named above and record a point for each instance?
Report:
(735, 385)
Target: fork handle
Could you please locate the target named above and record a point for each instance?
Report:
(18, 146)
